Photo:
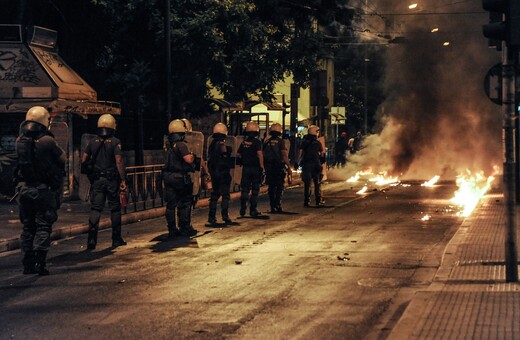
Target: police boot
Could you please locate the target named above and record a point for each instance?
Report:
(225, 217)
(28, 263)
(92, 238)
(212, 216)
(320, 202)
(117, 240)
(306, 201)
(252, 210)
(243, 206)
(172, 223)
(40, 265)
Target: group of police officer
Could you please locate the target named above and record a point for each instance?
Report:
(41, 162)
(267, 159)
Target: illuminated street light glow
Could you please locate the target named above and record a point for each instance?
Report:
(412, 6)
(446, 43)
(435, 30)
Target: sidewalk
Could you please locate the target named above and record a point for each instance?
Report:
(469, 298)
(73, 219)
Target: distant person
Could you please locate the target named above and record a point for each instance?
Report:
(39, 176)
(355, 142)
(219, 166)
(178, 185)
(341, 149)
(108, 177)
(276, 160)
(311, 158)
(250, 156)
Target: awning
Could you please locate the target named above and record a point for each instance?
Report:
(32, 73)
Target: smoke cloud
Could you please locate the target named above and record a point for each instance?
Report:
(436, 119)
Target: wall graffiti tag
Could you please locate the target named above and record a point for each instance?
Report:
(14, 67)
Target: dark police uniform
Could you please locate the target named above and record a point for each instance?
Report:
(311, 161)
(178, 188)
(39, 194)
(105, 182)
(251, 174)
(275, 170)
(219, 166)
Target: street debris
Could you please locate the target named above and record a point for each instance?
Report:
(343, 258)
(238, 261)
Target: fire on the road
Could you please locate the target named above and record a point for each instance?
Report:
(431, 182)
(471, 189)
(379, 179)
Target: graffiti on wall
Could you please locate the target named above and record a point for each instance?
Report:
(16, 66)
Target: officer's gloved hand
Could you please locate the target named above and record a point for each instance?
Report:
(122, 186)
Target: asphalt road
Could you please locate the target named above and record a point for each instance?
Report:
(344, 271)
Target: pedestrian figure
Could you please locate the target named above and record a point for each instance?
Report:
(178, 185)
(341, 149)
(312, 156)
(219, 166)
(276, 160)
(107, 177)
(39, 177)
(354, 143)
(250, 156)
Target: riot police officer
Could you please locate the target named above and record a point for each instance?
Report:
(219, 166)
(107, 178)
(250, 156)
(39, 174)
(312, 156)
(178, 186)
(276, 159)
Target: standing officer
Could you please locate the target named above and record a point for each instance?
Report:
(311, 157)
(341, 150)
(276, 159)
(107, 179)
(219, 166)
(178, 186)
(39, 174)
(250, 156)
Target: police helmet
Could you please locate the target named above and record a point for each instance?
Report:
(187, 124)
(38, 114)
(176, 126)
(106, 121)
(276, 127)
(252, 127)
(313, 130)
(220, 128)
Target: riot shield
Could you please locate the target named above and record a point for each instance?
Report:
(288, 176)
(84, 183)
(321, 139)
(237, 177)
(195, 141)
(231, 142)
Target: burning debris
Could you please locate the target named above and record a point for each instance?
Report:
(471, 189)
(431, 182)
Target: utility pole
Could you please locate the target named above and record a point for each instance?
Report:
(167, 38)
(504, 30)
(508, 118)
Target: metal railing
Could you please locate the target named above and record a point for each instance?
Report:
(145, 190)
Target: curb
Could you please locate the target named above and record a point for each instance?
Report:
(105, 223)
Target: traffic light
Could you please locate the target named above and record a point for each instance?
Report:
(504, 22)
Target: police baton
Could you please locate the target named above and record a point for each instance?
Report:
(14, 197)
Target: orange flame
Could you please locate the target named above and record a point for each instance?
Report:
(431, 182)
(471, 190)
